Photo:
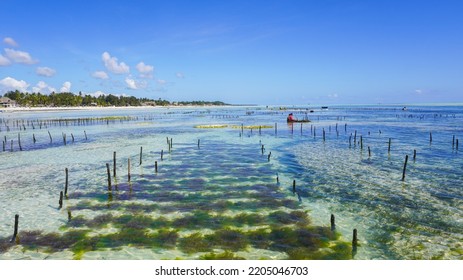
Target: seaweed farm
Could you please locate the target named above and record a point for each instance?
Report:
(357, 182)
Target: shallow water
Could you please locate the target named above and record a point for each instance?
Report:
(223, 195)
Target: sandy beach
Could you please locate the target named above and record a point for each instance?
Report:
(98, 108)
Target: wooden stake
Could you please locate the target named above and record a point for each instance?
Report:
(51, 140)
(162, 154)
(389, 147)
(61, 199)
(430, 137)
(361, 142)
(354, 238)
(333, 225)
(141, 154)
(85, 133)
(198, 143)
(269, 155)
(369, 151)
(66, 182)
(156, 166)
(109, 176)
(114, 164)
(16, 223)
(72, 136)
(405, 168)
(414, 155)
(19, 142)
(262, 149)
(128, 169)
(294, 186)
(278, 179)
(33, 138)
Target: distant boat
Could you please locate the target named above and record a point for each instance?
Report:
(298, 121)
(324, 107)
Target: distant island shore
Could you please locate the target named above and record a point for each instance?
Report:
(25, 100)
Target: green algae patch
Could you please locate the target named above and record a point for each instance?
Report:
(194, 243)
(228, 239)
(294, 217)
(211, 126)
(227, 255)
(251, 126)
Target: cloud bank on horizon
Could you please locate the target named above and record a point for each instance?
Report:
(296, 52)
(110, 63)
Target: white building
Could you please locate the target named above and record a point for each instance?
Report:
(6, 102)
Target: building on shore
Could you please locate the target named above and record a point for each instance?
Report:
(5, 102)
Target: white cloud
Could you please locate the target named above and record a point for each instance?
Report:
(111, 63)
(131, 84)
(97, 93)
(134, 84)
(10, 42)
(9, 83)
(418, 91)
(42, 87)
(180, 75)
(4, 61)
(161, 82)
(66, 87)
(19, 56)
(101, 93)
(45, 71)
(146, 71)
(100, 75)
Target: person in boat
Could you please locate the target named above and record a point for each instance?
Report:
(291, 118)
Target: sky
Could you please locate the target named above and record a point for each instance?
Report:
(240, 52)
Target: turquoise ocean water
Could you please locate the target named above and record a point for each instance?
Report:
(228, 191)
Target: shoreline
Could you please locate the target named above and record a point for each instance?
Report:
(101, 108)
(287, 107)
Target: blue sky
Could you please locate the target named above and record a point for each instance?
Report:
(254, 52)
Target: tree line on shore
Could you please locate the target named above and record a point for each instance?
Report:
(68, 99)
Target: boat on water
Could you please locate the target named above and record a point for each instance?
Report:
(291, 119)
(297, 121)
